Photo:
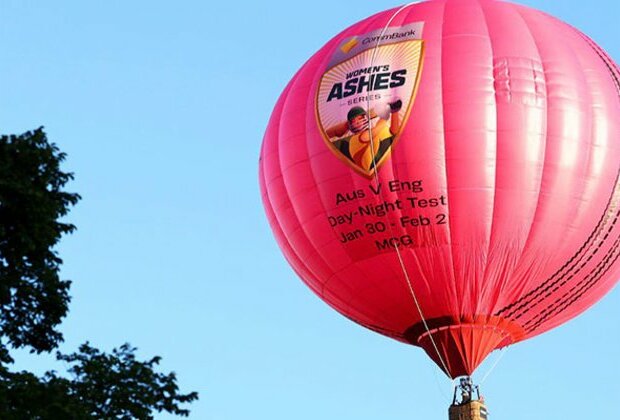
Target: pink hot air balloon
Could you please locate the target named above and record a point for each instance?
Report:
(446, 174)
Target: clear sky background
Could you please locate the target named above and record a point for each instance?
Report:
(161, 108)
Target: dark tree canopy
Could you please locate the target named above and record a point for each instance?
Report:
(25, 396)
(34, 300)
(102, 386)
(119, 386)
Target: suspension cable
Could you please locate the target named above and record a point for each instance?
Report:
(376, 178)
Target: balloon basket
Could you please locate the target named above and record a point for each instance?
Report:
(473, 410)
(468, 405)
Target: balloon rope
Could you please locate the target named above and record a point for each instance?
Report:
(376, 176)
(486, 375)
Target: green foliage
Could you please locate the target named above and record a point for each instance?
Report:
(119, 386)
(33, 299)
(25, 396)
(102, 386)
(33, 302)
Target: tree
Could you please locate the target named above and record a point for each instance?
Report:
(102, 386)
(34, 300)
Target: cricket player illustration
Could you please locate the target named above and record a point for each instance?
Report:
(359, 139)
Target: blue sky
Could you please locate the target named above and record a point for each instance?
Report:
(173, 252)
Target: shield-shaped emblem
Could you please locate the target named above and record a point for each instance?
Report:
(365, 96)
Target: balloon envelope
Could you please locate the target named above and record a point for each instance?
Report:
(464, 153)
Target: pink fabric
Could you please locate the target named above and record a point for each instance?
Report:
(516, 123)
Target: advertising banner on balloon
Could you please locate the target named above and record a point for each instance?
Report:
(364, 97)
